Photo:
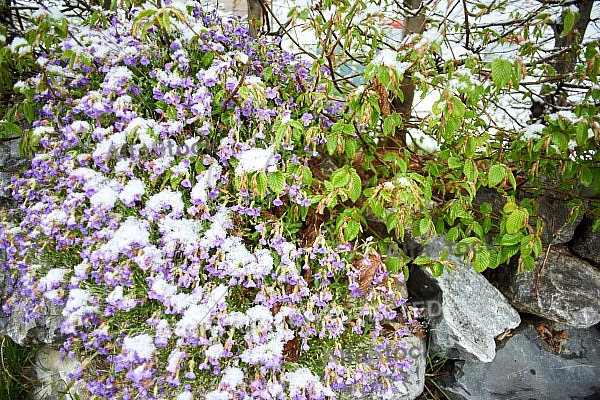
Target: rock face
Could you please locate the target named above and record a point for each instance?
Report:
(52, 374)
(414, 382)
(43, 330)
(534, 365)
(11, 161)
(587, 243)
(568, 288)
(471, 311)
(555, 214)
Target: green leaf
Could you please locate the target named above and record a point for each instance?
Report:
(470, 170)
(455, 163)
(394, 264)
(9, 129)
(390, 156)
(511, 179)
(437, 269)
(582, 133)
(391, 222)
(356, 187)
(511, 239)
(452, 234)
(528, 262)
(486, 208)
(307, 176)
(496, 175)
(276, 181)
(422, 260)
(560, 140)
(477, 229)
(352, 230)
(515, 221)
(340, 178)
(27, 111)
(350, 148)
(388, 125)
(261, 183)
(481, 259)
(331, 143)
(501, 72)
(424, 226)
(569, 18)
(587, 176)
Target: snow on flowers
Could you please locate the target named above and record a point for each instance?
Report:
(173, 269)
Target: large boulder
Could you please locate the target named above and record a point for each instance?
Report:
(562, 288)
(471, 311)
(539, 361)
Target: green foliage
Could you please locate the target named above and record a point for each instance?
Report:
(474, 146)
(16, 382)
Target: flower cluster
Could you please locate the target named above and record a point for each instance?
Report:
(183, 276)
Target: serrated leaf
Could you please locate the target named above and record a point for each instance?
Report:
(481, 260)
(355, 187)
(390, 156)
(27, 111)
(388, 125)
(511, 179)
(528, 263)
(10, 129)
(391, 222)
(452, 235)
(331, 143)
(596, 225)
(501, 72)
(340, 178)
(350, 148)
(511, 239)
(455, 163)
(485, 208)
(307, 176)
(424, 226)
(394, 264)
(352, 230)
(422, 260)
(402, 165)
(496, 175)
(515, 221)
(261, 183)
(276, 181)
(437, 269)
(581, 136)
(477, 229)
(587, 176)
(439, 226)
(469, 170)
(569, 19)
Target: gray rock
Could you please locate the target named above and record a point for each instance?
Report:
(587, 242)
(568, 288)
(45, 329)
(471, 311)
(414, 382)
(555, 214)
(527, 367)
(52, 373)
(11, 162)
